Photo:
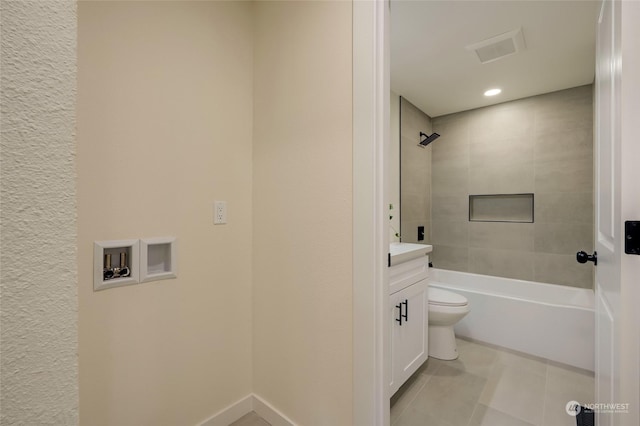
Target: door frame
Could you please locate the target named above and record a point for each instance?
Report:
(630, 206)
(617, 344)
(371, 140)
(371, 90)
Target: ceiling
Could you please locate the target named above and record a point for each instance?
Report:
(431, 67)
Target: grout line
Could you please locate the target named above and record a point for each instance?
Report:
(410, 402)
(473, 412)
(426, 378)
(544, 393)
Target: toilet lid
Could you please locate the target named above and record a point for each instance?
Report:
(445, 298)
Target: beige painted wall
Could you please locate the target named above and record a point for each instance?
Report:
(164, 129)
(415, 173)
(38, 308)
(541, 145)
(302, 271)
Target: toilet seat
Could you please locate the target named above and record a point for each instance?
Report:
(445, 298)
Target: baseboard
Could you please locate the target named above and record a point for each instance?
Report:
(270, 413)
(230, 414)
(247, 404)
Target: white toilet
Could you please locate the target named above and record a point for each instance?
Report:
(446, 308)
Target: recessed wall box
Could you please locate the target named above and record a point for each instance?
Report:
(158, 259)
(115, 263)
(501, 208)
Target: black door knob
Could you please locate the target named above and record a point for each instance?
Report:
(583, 257)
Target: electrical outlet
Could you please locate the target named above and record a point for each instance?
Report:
(219, 212)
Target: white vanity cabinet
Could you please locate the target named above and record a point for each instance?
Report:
(408, 308)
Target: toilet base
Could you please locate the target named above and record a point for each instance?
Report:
(442, 343)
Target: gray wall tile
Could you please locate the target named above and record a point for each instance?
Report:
(572, 207)
(562, 269)
(415, 170)
(497, 153)
(415, 206)
(450, 178)
(563, 176)
(450, 233)
(566, 145)
(507, 179)
(409, 231)
(506, 236)
(563, 238)
(541, 145)
(451, 258)
(501, 263)
(450, 207)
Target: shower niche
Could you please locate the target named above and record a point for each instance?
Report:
(501, 208)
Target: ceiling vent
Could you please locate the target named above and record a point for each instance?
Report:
(499, 47)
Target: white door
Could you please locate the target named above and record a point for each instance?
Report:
(617, 133)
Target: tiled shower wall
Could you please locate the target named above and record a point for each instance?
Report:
(415, 174)
(541, 145)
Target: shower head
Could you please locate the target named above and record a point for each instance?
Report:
(428, 139)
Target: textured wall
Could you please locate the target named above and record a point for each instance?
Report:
(165, 108)
(39, 366)
(415, 173)
(302, 291)
(541, 145)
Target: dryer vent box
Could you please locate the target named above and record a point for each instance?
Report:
(158, 259)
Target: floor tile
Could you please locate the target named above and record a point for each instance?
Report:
(516, 391)
(491, 386)
(474, 359)
(523, 362)
(250, 419)
(463, 343)
(406, 394)
(413, 417)
(447, 398)
(564, 385)
(430, 366)
(487, 416)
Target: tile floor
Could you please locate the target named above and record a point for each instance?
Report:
(485, 386)
(250, 419)
(490, 387)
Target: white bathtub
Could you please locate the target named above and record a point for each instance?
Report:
(546, 320)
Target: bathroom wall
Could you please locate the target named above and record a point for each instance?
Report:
(38, 308)
(541, 145)
(165, 112)
(302, 201)
(394, 166)
(415, 173)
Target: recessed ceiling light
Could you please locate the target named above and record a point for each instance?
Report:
(492, 92)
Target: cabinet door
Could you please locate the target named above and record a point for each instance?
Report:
(409, 339)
